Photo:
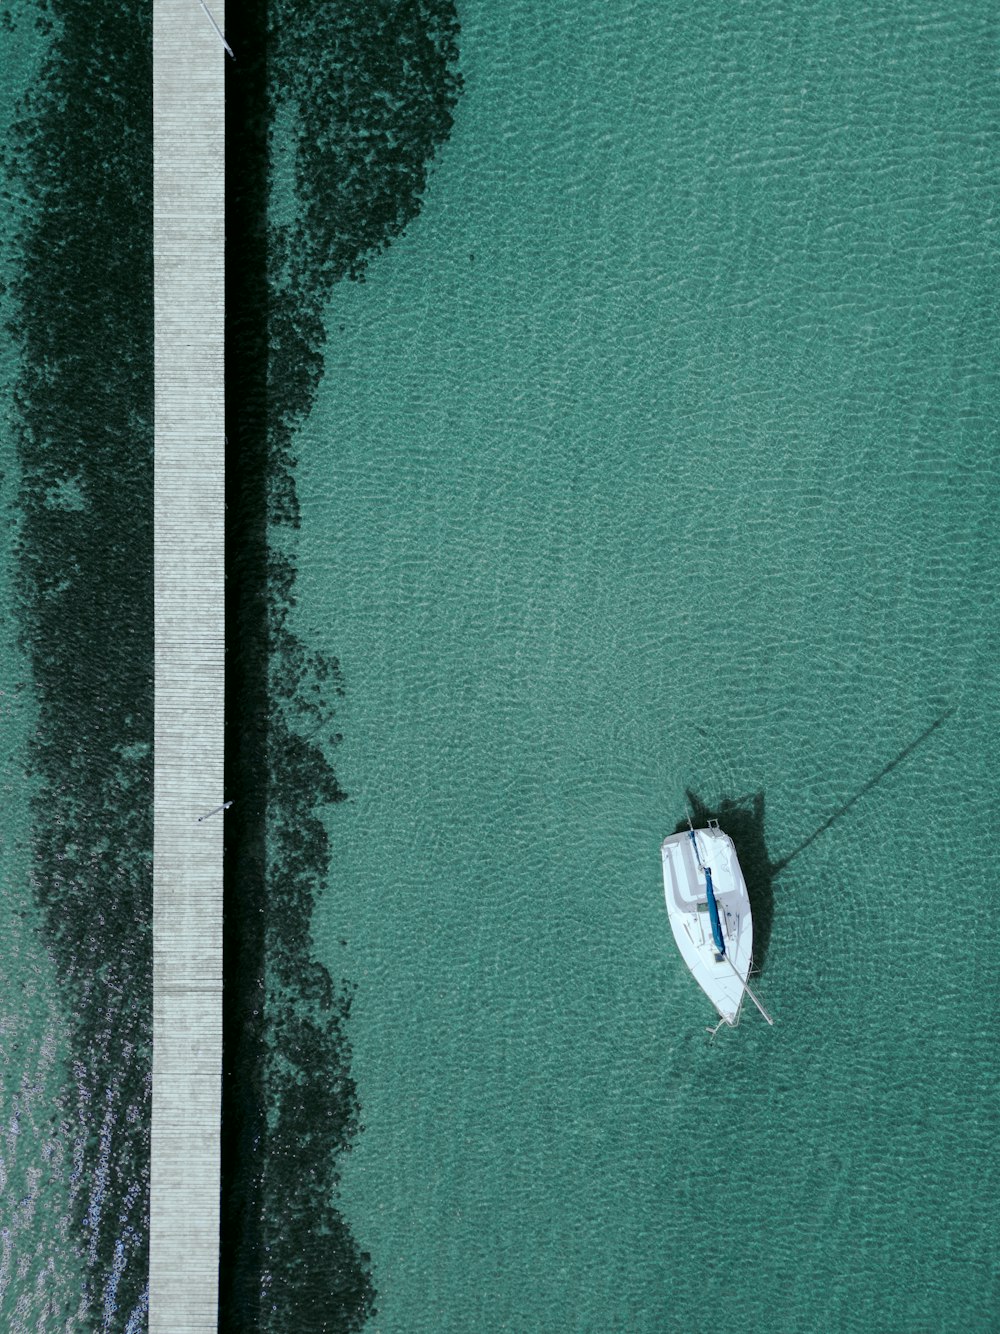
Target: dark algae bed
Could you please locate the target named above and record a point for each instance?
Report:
(368, 97)
(334, 114)
(80, 165)
(687, 484)
(685, 487)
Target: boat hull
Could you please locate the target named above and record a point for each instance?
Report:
(722, 978)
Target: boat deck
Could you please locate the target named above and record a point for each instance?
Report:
(720, 977)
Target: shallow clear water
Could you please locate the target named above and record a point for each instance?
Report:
(660, 455)
(37, 1266)
(75, 668)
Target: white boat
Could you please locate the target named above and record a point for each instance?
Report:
(709, 911)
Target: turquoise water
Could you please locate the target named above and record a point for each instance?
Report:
(38, 1271)
(660, 455)
(75, 667)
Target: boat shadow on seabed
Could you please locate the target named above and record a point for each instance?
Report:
(742, 818)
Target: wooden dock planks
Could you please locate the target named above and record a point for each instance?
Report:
(189, 180)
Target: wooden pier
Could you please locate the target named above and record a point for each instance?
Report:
(188, 231)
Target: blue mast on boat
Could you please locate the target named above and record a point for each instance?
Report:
(731, 944)
(713, 907)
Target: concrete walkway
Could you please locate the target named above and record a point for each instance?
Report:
(189, 180)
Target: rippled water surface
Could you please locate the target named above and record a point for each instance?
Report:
(660, 455)
(654, 463)
(36, 1264)
(76, 663)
